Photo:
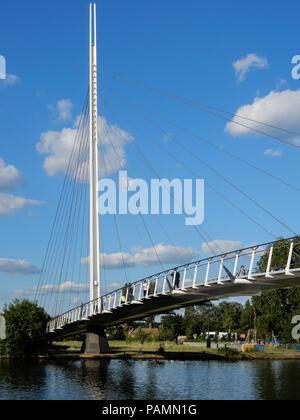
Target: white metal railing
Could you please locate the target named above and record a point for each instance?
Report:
(237, 266)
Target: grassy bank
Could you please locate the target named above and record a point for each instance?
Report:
(169, 351)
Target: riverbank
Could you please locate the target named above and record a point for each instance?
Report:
(168, 351)
(162, 352)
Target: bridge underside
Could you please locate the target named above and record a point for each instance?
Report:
(176, 299)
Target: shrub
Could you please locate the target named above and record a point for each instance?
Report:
(25, 329)
(226, 351)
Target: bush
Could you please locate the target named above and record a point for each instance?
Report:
(226, 351)
(141, 336)
(25, 329)
(116, 333)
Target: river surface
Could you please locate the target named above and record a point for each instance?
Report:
(149, 380)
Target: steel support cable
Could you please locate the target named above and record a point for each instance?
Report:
(53, 225)
(82, 235)
(225, 198)
(64, 206)
(71, 174)
(59, 210)
(145, 226)
(67, 209)
(199, 106)
(73, 208)
(103, 264)
(83, 176)
(172, 195)
(208, 166)
(79, 187)
(101, 235)
(174, 157)
(140, 153)
(221, 149)
(115, 220)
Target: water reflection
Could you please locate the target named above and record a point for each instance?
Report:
(278, 380)
(149, 380)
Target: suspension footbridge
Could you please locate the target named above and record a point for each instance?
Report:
(75, 248)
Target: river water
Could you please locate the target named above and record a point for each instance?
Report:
(149, 380)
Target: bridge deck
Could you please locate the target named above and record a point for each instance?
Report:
(170, 300)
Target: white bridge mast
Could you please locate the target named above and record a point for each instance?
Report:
(94, 214)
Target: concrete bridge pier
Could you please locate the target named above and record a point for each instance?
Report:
(95, 342)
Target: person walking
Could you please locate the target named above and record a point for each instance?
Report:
(242, 271)
(176, 276)
(145, 288)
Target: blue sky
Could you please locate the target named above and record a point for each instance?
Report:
(223, 54)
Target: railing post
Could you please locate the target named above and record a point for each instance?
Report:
(164, 285)
(207, 274)
(251, 266)
(235, 265)
(269, 262)
(220, 271)
(155, 288)
(141, 291)
(148, 289)
(183, 280)
(288, 265)
(195, 277)
(120, 300)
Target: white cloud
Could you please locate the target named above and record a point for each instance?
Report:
(9, 204)
(10, 177)
(17, 267)
(10, 80)
(220, 246)
(273, 153)
(58, 146)
(63, 109)
(67, 287)
(280, 109)
(244, 65)
(147, 257)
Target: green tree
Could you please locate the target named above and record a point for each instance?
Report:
(247, 318)
(116, 333)
(274, 309)
(192, 322)
(25, 328)
(171, 327)
(141, 336)
(280, 255)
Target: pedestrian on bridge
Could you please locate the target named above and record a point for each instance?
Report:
(176, 277)
(242, 271)
(145, 288)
